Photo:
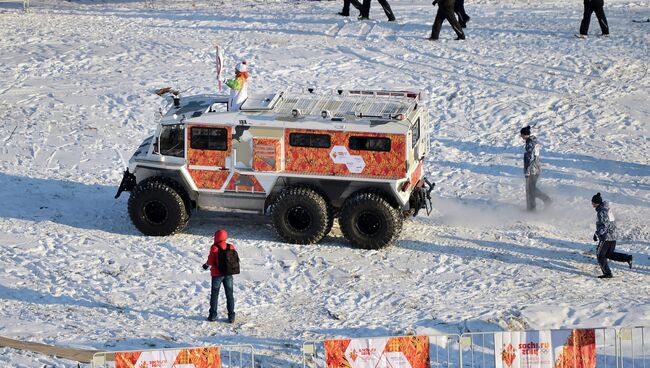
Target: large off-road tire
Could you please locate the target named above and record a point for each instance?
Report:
(368, 221)
(157, 209)
(301, 215)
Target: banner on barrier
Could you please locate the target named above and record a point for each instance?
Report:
(182, 358)
(546, 349)
(386, 352)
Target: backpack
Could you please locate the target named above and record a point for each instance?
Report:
(228, 263)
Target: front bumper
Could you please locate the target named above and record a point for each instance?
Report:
(127, 184)
(421, 196)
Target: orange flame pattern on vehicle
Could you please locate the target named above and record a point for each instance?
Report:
(208, 179)
(267, 154)
(308, 160)
(244, 183)
(579, 350)
(417, 174)
(213, 158)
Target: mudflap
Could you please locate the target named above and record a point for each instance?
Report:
(421, 196)
(127, 184)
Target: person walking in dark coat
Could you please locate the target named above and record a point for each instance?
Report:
(532, 170)
(593, 6)
(346, 7)
(365, 10)
(446, 11)
(605, 235)
(219, 244)
(459, 9)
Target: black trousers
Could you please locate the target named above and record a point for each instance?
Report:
(459, 9)
(532, 193)
(346, 6)
(606, 251)
(446, 11)
(594, 6)
(365, 9)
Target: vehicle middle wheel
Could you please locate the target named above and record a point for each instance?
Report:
(301, 216)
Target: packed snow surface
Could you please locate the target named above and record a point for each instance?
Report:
(76, 82)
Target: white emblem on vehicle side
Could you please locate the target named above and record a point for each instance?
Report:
(340, 155)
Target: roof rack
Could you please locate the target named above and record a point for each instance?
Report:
(345, 103)
(379, 93)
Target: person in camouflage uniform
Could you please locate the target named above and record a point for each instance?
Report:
(605, 235)
(532, 170)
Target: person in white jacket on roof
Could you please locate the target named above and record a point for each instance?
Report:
(238, 87)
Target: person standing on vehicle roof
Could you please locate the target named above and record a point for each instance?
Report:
(532, 169)
(605, 235)
(445, 11)
(218, 278)
(593, 6)
(238, 87)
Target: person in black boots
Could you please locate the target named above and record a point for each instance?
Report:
(605, 235)
(459, 9)
(445, 11)
(592, 6)
(346, 7)
(365, 10)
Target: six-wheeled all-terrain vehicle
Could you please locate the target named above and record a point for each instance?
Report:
(304, 158)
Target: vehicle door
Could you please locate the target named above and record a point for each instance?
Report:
(209, 156)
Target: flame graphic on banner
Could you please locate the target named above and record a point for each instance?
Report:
(508, 355)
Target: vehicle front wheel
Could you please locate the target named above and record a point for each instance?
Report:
(157, 209)
(301, 216)
(368, 221)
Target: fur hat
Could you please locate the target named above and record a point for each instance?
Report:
(220, 236)
(525, 130)
(597, 199)
(242, 66)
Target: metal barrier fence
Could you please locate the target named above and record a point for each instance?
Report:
(622, 348)
(444, 351)
(479, 349)
(634, 347)
(232, 356)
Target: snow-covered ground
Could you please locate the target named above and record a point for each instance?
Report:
(75, 101)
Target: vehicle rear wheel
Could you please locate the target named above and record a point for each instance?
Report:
(301, 216)
(157, 209)
(368, 221)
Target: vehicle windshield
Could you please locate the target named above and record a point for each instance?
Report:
(172, 140)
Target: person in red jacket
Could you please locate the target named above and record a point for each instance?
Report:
(219, 244)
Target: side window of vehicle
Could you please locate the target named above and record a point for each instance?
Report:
(379, 144)
(310, 140)
(215, 139)
(172, 140)
(415, 133)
